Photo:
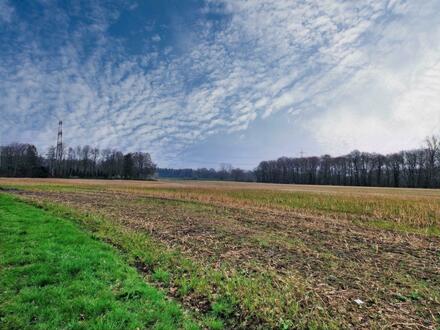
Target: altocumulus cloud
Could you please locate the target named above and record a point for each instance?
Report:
(356, 74)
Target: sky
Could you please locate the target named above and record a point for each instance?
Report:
(198, 83)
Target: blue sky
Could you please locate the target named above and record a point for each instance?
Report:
(199, 83)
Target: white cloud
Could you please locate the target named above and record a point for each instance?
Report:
(392, 103)
(398, 118)
(360, 74)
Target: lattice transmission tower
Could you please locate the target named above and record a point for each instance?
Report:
(59, 151)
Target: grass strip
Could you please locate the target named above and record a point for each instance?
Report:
(53, 275)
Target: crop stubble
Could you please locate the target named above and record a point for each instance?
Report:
(329, 260)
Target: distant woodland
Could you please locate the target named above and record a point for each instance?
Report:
(419, 168)
(225, 173)
(23, 160)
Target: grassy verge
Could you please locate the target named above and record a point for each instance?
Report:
(53, 275)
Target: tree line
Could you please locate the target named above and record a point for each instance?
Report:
(23, 160)
(418, 168)
(225, 173)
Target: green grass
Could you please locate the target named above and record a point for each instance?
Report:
(53, 276)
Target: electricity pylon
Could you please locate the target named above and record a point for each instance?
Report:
(59, 151)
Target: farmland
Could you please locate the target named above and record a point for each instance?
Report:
(244, 255)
